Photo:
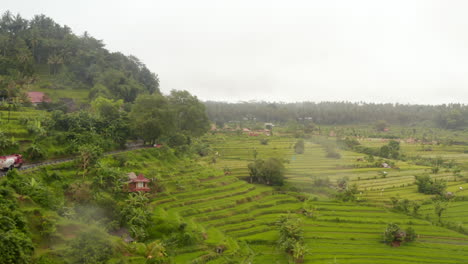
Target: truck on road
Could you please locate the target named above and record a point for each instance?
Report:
(11, 161)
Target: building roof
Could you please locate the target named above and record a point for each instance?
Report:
(131, 175)
(140, 178)
(38, 97)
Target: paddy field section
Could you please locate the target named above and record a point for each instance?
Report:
(229, 220)
(339, 232)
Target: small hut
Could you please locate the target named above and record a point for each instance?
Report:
(138, 183)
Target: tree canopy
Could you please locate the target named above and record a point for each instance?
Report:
(41, 51)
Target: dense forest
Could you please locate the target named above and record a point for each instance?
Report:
(452, 116)
(42, 53)
(120, 100)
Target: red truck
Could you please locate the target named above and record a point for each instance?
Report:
(11, 161)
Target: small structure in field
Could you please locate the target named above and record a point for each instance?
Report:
(138, 183)
(385, 165)
(38, 97)
(269, 126)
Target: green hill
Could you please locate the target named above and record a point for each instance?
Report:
(41, 55)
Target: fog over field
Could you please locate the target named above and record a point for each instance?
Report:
(373, 51)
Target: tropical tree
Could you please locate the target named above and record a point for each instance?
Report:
(189, 112)
(151, 117)
(88, 157)
(269, 172)
(439, 209)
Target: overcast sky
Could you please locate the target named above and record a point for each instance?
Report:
(373, 51)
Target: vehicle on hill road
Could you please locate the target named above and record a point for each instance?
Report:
(11, 161)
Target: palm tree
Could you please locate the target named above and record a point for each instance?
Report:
(299, 251)
(54, 61)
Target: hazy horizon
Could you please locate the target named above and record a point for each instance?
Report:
(397, 52)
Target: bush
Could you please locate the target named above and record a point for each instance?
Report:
(331, 153)
(91, 247)
(34, 152)
(410, 234)
(299, 147)
(270, 171)
(178, 139)
(427, 185)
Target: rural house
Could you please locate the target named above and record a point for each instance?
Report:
(138, 183)
(38, 97)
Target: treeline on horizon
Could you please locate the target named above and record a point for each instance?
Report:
(39, 53)
(451, 116)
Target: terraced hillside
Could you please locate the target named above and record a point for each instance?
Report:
(234, 221)
(240, 217)
(10, 122)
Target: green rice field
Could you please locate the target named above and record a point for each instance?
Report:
(241, 216)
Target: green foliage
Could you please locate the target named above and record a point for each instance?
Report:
(35, 152)
(134, 213)
(73, 61)
(154, 252)
(15, 247)
(15, 244)
(47, 226)
(299, 147)
(108, 178)
(332, 153)
(291, 236)
(178, 139)
(391, 150)
(269, 172)
(6, 143)
(88, 157)
(91, 247)
(151, 117)
(264, 141)
(393, 233)
(189, 112)
(348, 194)
(410, 234)
(39, 192)
(427, 185)
(380, 125)
(439, 208)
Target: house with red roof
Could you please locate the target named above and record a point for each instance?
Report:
(138, 183)
(38, 97)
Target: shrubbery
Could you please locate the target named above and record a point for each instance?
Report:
(90, 248)
(394, 235)
(269, 172)
(291, 237)
(427, 185)
(299, 146)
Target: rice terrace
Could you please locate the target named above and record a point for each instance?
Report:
(273, 134)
